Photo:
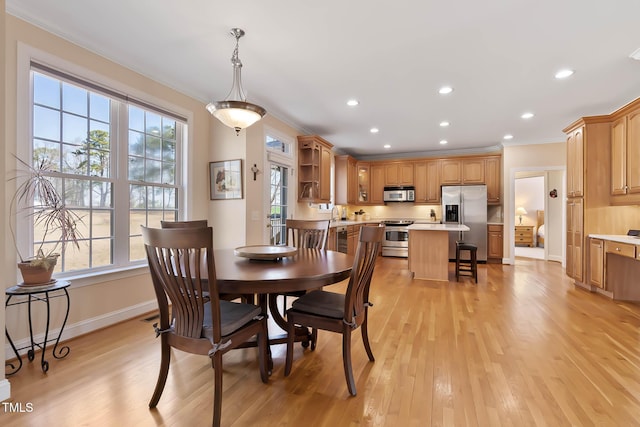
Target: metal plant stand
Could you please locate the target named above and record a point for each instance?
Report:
(44, 294)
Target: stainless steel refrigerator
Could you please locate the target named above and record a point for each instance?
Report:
(466, 204)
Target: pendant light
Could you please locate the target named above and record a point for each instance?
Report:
(235, 111)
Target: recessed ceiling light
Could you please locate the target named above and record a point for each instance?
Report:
(508, 136)
(444, 141)
(352, 102)
(374, 130)
(445, 90)
(444, 124)
(527, 115)
(563, 74)
(387, 146)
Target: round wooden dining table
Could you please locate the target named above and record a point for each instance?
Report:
(306, 270)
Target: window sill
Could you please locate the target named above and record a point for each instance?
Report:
(98, 277)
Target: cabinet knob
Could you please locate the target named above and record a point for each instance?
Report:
(618, 249)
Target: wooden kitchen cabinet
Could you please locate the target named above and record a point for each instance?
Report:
(376, 193)
(625, 159)
(353, 231)
(451, 171)
(473, 171)
(314, 169)
(492, 179)
(596, 262)
(575, 163)
(427, 181)
(346, 181)
(495, 243)
(363, 182)
(575, 238)
(398, 173)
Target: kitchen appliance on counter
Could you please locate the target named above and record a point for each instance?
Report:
(399, 194)
(396, 238)
(466, 204)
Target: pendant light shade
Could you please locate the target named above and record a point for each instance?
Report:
(235, 111)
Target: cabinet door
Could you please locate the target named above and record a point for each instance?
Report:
(405, 173)
(341, 180)
(575, 163)
(619, 156)
(352, 181)
(494, 241)
(575, 238)
(596, 262)
(363, 182)
(325, 175)
(633, 152)
(377, 184)
(473, 171)
(420, 181)
(451, 172)
(433, 181)
(492, 179)
(391, 174)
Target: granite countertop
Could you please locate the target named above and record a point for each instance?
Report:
(342, 223)
(621, 238)
(438, 227)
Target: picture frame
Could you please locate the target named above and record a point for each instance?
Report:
(225, 180)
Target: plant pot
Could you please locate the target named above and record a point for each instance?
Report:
(37, 271)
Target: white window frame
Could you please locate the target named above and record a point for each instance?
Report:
(27, 54)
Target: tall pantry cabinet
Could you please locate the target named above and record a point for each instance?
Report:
(588, 187)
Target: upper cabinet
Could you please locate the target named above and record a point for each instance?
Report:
(575, 162)
(376, 191)
(346, 180)
(314, 169)
(363, 182)
(427, 181)
(625, 158)
(473, 171)
(398, 173)
(451, 170)
(492, 179)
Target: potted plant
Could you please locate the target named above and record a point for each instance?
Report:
(37, 197)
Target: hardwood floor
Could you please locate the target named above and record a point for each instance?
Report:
(523, 347)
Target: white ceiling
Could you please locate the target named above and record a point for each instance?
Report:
(303, 60)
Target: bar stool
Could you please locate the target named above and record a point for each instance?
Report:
(469, 265)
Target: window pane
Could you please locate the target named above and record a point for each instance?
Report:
(46, 123)
(101, 223)
(75, 159)
(154, 218)
(136, 168)
(136, 143)
(136, 118)
(77, 259)
(74, 129)
(99, 163)
(168, 128)
(169, 198)
(74, 99)
(136, 219)
(101, 252)
(168, 173)
(155, 199)
(99, 107)
(76, 193)
(152, 173)
(138, 197)
(101, 194)
(46, 91)
(136, 249)
(168, 151)
(46, 151)
(153, 124)
(153, 147)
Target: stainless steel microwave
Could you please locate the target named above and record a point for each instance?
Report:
(399, 194)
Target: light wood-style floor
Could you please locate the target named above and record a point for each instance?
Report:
(523, 347)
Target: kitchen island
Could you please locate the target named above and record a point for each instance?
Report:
(429, 250)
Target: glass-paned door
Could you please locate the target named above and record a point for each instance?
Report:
(278, 203)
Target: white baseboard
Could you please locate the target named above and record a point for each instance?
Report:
(83, 327)
(5, 390)
(555, 258)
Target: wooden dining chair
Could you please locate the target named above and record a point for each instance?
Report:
(341, 313)
(203, 223)
(300, 233)
(191, 319)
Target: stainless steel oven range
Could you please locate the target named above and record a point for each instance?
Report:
(396, 238)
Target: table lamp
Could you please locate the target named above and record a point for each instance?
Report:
(521, 211)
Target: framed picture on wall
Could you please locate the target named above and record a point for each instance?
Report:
(225, 180)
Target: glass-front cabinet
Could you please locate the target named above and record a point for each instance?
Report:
(363, 182)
